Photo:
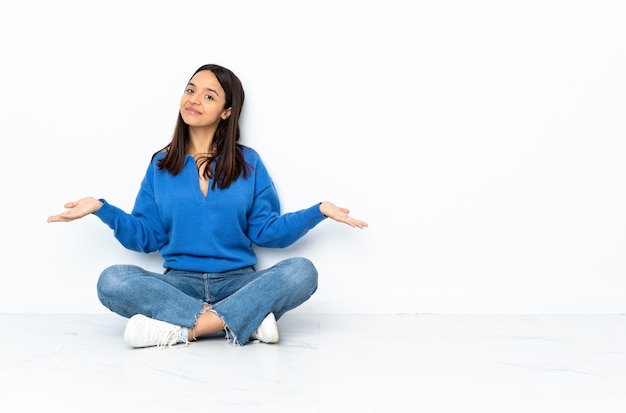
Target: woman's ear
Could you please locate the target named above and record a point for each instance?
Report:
(226, 113)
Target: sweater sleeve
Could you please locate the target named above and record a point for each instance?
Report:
(142, 229)
(267, 227)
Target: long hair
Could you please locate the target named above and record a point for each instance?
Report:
(227, 163)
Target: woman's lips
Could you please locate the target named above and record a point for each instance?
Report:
(192, 111)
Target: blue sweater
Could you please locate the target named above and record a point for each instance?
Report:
(207, 234)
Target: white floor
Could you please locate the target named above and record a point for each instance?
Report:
(323, 363)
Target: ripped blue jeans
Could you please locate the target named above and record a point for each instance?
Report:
(242, 298)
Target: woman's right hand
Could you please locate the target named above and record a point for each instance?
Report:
(77, 209)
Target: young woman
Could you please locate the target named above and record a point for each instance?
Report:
(204, 201)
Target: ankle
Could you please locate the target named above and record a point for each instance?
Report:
(191, 334)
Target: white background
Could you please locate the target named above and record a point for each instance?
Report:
(483, 141)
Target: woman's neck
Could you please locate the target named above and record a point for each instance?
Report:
(200, 141)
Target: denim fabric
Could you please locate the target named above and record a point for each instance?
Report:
(242, 298)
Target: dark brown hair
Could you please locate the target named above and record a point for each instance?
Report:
(227, 163)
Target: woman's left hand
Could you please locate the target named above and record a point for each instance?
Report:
(340, 214)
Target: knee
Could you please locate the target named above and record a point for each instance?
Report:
(305, 273)
(112, 280)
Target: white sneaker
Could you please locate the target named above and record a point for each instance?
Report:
(142, 331)
(267, 331)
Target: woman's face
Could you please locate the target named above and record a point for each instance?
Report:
(202, 104)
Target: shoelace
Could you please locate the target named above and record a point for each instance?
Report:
(171, 340)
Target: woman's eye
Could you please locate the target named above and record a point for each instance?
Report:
(209, 97)
(189, 90)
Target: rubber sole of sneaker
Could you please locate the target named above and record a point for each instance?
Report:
(130, 325)
(267, 332)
